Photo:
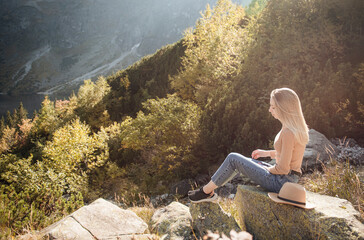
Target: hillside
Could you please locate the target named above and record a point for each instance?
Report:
(50, 47)
(176, 113)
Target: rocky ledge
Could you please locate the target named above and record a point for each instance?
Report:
(258, 216)
(332, 218)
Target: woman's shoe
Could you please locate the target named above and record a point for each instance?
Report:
(199, 195)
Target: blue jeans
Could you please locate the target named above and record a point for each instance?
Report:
(236, 163)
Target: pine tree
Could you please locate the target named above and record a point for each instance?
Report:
(9, 119)
(15, 118)
(2, 125)
(22, 113)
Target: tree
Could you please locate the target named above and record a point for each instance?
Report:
(213, 52)
(47, 121)
(8, 140)
(2, 125)
(74, 152)
(9, 119)
(22, 113)
(90, 105)
(165, 135)
(255, 7)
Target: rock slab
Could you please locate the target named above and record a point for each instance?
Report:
(173, 222)
(332, 218)
(99, 220)
(210, 216)
(318, 151)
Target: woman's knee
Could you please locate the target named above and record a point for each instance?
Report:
(237, 157)
(236, 160)
(234, 155)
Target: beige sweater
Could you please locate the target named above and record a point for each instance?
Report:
(289, 153)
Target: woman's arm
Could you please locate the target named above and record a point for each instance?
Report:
(272, 154)
(258, 153)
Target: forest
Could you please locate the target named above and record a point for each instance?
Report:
(180, 110)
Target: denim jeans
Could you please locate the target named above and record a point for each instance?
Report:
(236, 163)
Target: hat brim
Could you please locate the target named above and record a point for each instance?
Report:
(274, 197)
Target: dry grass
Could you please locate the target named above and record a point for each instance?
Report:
(141, 206)
(145, 213)
(338, 179)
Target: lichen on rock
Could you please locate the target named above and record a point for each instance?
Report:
(173, 222)
(332, 218)
(210, 216)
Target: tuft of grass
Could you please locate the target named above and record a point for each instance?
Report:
(338, 179)
(140, 204)
(145, 213)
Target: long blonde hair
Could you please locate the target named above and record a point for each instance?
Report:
(290, 114)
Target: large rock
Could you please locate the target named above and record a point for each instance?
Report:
(318, 151)
(333, 218)
(173, 222)
(101, 220)
(210, 216)
(349, 150)
(181, 188)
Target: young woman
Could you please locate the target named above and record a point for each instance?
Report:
(289, 147)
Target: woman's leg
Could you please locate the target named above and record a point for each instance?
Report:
(237, 163)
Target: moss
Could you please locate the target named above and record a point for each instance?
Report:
(210, 216)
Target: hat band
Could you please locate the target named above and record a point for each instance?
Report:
(291, 201)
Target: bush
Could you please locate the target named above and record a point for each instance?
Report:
(31, 196)
(89, 104)
(165, 137)
(74, 152)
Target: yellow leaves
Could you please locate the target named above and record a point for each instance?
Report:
(9, 139)
(73, 149)
(124, 81)
(213, 51)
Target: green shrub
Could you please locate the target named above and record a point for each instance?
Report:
(75, 152)
(165, 137)
(89, 104)
(31, 195)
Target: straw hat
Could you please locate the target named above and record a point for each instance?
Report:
(293, 194)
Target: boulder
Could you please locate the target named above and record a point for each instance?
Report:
(181, 188)
(349, 150)
(173, 222)
(67, 228)
(332, 218)
(226, 190)
(210, 216)
(101, 220)
(318, 151)
(162, 200)
(233, 236)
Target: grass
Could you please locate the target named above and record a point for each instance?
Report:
(142, 207)
(338, 179)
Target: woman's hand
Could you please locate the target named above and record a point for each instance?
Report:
(258, 153)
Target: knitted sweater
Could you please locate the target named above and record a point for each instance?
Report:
(289, 153)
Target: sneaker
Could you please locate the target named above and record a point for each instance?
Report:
(199, 195)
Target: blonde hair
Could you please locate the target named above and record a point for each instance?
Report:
(290, 114)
